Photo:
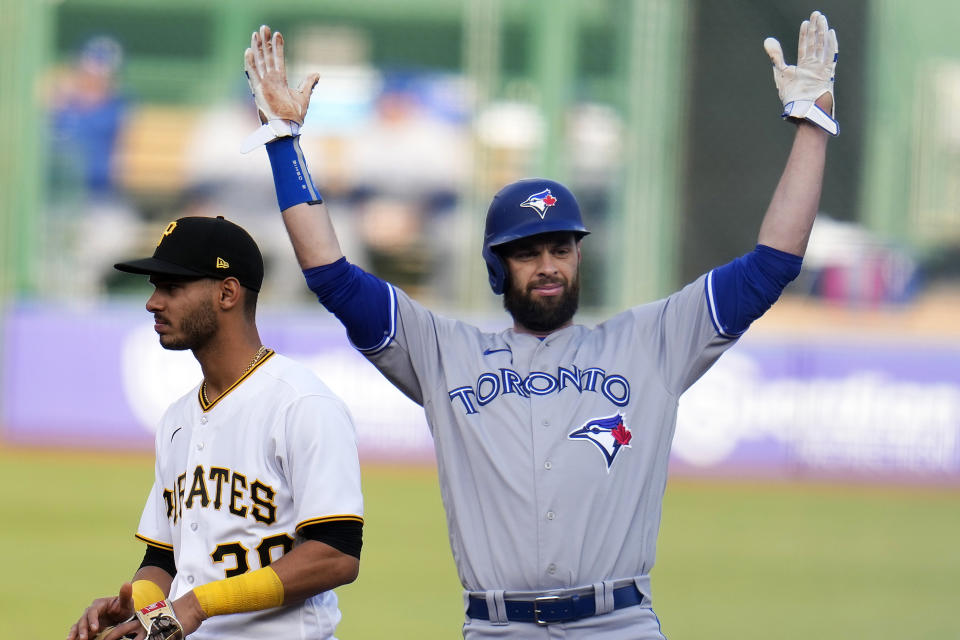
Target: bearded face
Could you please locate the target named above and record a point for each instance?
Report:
(543, 314)
(196, 329)
(184, 313)
(542, 289)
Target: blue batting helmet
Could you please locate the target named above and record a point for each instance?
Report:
(522, 209)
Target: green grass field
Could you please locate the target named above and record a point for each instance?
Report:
(736, 560)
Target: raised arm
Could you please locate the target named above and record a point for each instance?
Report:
(743, 289)
(789, 218)
(282, 110)
(806, 90)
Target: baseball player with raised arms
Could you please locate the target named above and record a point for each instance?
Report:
(552, 439)
(255, 513)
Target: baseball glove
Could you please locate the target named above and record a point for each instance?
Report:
(107, 630)
(157, 619)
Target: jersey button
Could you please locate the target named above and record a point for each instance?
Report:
(548, 465)
(551, 515)
(190, 579)
(203, 419)
(193, 526)
(545, 423)
(199, 446)
(552, 569)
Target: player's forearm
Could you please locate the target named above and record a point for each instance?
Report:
(806, 90)
(157, 576)
(304, 214)
(312, 568)
(789, 218)
(312, 235)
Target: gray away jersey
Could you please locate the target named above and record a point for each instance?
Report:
(553, 453)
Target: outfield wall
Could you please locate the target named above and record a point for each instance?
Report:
(873, 408)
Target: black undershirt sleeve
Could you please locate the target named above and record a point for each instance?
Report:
(346, 536)
(162, 558)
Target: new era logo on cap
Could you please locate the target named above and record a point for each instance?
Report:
(201, 247)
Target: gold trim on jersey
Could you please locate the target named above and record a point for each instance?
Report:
(337, 518)
(154, 543)
(206, 407)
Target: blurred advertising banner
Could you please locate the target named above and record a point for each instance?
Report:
(99, 379)
(811, 406)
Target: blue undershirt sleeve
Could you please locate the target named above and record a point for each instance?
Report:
(365, 304)
(741, 291)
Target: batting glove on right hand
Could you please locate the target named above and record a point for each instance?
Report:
(160, 622)
(281, 108)
(800, 86)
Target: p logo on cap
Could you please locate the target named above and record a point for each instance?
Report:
(203, 247)
(167, 231)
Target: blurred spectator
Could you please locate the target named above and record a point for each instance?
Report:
(87, 114)
(848, 265)
(408, 165)
(92, 225)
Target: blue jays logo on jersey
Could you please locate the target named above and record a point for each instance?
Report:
(609, 434)
(540, 202)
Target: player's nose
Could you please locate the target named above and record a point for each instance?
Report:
(154, 302)
(547, 263)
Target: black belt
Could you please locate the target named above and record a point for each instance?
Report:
(548, 609)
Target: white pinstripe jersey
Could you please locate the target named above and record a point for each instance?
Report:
(237, 479)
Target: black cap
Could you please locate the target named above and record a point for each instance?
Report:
(202, 247)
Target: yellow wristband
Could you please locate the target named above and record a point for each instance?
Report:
(254, 591)
(146, 592)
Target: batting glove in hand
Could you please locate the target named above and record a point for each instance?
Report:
(800, 86)
(160, 622)
(281, 108)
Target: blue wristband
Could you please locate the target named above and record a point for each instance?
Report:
(290, 175)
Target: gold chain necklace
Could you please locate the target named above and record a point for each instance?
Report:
(262, 351)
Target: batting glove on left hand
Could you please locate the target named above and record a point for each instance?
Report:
(800, 86)
(281, 108)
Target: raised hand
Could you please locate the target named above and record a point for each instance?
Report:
(281, 107)
(801, 85)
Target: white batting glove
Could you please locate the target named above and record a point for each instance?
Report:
(281, 108)
(800, 86)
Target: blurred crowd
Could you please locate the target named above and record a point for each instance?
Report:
(393, 153)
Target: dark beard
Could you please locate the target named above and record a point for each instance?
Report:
(542, 315)
(197, 329)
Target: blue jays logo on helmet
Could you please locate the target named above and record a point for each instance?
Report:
(540, 202)
(609, 434)
(507, 221)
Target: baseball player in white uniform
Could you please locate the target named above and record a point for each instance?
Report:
(255, 513)
(552, 438)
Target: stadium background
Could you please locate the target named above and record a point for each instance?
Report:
(816, 468)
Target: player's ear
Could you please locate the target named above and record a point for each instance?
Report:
(229, 294)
